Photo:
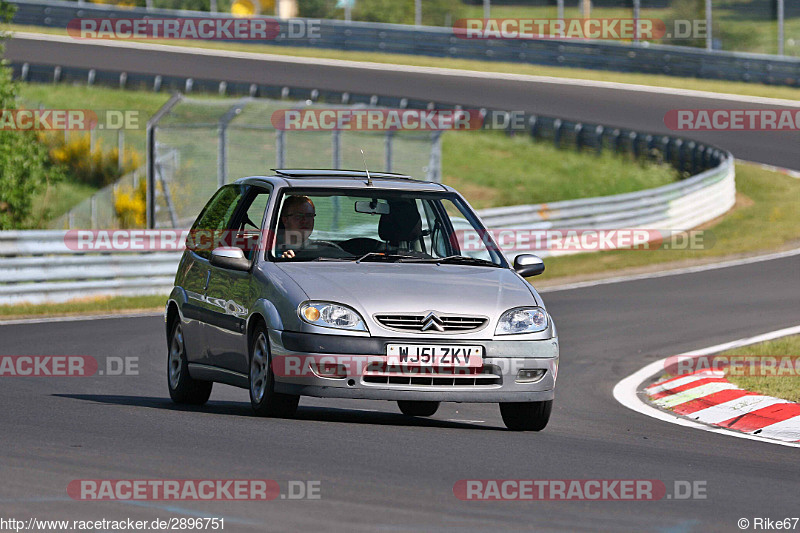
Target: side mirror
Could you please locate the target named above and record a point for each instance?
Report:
(230, 258)
(528, 265)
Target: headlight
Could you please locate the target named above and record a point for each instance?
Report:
(522, 320)
(330, 315)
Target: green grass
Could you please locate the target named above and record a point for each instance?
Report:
(99, 99)
(721, 86)
(56, 200)
(764, 219)
(492, 169)
(118, 304)
(783, 384)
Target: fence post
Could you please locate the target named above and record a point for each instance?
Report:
(120, 149)
(388, 144)
(336, 145)
(93, 211)
(435, 163)
(280, 149)
(151, 157)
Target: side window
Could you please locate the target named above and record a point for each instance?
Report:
(215, 217)
(249, 225)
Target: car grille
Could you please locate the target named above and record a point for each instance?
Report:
(448, 323)
(486, 376)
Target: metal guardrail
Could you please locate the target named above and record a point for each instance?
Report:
(38, 266)
(442, 42)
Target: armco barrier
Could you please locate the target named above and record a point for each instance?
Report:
(37, 266)
(441, 42)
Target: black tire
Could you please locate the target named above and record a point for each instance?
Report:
(410, 408)
(528, 416)
(182, 388)
(263, 398)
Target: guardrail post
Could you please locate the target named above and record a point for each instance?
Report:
(533, 126)
(557, 132)
(599, 131)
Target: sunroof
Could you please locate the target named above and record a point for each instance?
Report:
(315, 173)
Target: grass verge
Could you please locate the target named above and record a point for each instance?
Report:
(492, 169)
(784, 382)
(764, 219)
(721, 86)
(113, 305)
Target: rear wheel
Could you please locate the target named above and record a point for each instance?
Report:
(182, 388)
(409, 408)
(528, 416)
(263, 398)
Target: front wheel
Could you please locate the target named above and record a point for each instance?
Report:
(263, 398)
(182, 388)
(409, 408)
(527, 416)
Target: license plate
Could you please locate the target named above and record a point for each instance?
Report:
(434, 355)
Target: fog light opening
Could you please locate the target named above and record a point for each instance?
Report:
(330, 370)
(530, 375)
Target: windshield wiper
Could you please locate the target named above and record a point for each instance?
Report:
(382, 256)
(452, 259)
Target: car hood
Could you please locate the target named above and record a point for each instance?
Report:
(413, 288)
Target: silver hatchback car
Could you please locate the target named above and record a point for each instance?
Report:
(350, 284)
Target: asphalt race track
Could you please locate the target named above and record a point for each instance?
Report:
(379, 470)
(630, 109)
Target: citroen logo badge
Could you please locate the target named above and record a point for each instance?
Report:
(431, 321)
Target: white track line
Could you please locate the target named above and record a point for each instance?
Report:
(673, 272)
(625, 392)
(744, 405)
(364, 65)
(78, 318)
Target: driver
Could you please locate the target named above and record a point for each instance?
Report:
(297, 223)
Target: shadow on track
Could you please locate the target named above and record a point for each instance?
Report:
(307, 413)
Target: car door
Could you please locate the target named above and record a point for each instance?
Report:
(196, 268)
(229, 293)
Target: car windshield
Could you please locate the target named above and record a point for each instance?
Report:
(380, 226)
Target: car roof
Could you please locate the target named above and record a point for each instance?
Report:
(345, 179)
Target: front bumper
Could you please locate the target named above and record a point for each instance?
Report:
(297, 358)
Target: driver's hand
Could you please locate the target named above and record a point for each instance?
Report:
(288, 254)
